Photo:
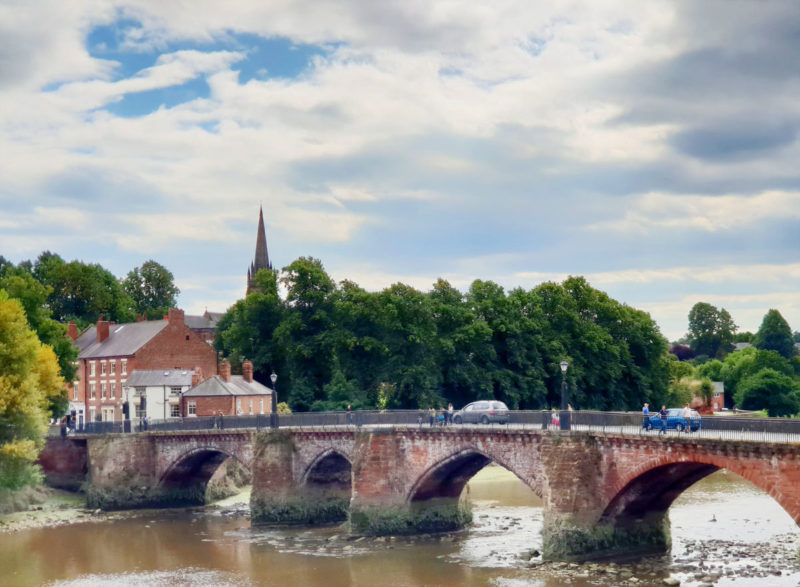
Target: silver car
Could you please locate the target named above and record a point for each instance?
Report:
(482, 412)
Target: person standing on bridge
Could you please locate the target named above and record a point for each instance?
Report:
(450, 414)
(663, 414)
(431, 416)
(687, 416)
(645, 414)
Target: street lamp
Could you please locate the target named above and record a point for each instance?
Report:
(565, 415)
(273, 416)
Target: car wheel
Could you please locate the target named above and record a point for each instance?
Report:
(457, 419)
(679, 427)
(485, 420)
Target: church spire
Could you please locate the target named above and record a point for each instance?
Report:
(261, 260)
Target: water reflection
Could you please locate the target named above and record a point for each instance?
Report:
(218, 547)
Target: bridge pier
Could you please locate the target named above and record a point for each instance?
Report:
(288, 491)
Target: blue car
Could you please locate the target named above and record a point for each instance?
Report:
(675, 421)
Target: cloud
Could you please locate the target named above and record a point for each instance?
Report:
(705, 213)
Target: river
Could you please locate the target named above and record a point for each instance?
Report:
(724, 531)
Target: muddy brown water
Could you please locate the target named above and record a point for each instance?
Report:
(723, 529)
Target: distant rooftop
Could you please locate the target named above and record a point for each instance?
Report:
(157, 377)
(123, 339)
(216, 386)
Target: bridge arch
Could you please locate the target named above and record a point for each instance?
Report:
(186, 478)
(655, 484)
(327, 482)
(446, 478)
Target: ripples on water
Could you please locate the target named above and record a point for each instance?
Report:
(218, 547)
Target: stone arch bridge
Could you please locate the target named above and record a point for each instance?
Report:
(601, 492)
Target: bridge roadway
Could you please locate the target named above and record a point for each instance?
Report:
(604, 487)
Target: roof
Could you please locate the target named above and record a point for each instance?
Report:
(216, 386)
(737, 346)
(159, 377)
(123, 339)
(204, 321)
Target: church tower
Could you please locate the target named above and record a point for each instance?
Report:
(261, 260)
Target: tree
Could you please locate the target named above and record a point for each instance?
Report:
(682, 351)
(152, 289)
(29, 374)
(775, 335)
(711, 330)
(769, 390)
(749, 361)
(82, 292)
(33, 297)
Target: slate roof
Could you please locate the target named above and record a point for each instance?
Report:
(159, 377)
(207, 320)
(216, 386)
(738, 346)
(123, 339)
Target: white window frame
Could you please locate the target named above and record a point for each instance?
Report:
(75, 390)
(124, 366)
(191, 409)
(112, 387)
(92, 368)
(92, 391)
(113, 367)
(103, 389)
(102, 367)
(175, 411)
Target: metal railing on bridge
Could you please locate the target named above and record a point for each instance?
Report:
(627, 423)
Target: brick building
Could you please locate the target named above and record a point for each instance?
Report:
(204, 326)
(228, 394)
(109, 353)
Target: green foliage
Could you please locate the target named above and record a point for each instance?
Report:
(33, 296)
(768, 389)
(82, 292)
(711, 370)
(29, 375)
(402, 348)
(711, 330)
(775, 335)
(152, 289)
(747, 362)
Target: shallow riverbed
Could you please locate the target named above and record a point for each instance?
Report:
(724, 531)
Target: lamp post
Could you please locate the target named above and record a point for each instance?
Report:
(273, 415)
(565, 415)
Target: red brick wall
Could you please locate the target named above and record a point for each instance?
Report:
(177, 347)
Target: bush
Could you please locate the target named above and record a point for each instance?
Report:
(770, 390)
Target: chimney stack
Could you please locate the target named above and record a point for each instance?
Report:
(197, 377)
(225, 370)
(72, 331)
(175, 317)
(247, 371)
(102, 330)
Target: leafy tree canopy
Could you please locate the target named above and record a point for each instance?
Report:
(769, 390)
(711, 330)
(152, 289)
(775, 335)
(29, 376)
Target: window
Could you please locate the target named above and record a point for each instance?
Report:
(191, 408)
(175, 411)
(140, 411)
(112, 388)
(175, 390)
(103, 389)
(113, 367)
(75, 391)
(140, 391)
(108, 414)
(124, 366)
(92, 369)
(102, 367)
(262, 405)
(239, 405)
(91, 414)
(92, 392)
(251, 406)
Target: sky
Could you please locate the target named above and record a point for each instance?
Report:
(651, 147)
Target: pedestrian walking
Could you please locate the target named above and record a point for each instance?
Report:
(663, 415)
(449, 413)
(645, 414)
